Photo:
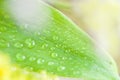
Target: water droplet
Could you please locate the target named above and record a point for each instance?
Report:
(61, 68)
(44, 46)
(67, 51)
(51, 63)
(55, 38)
(32, 58)
(52, 48)
(18, 45)
(28, 68)
(37, 33)
(57, 46)
(95, 67)
(4, 43)
(40, 61)
(64, 58)
(20, 57)
(30, 43)
(12, 37)
(54, 55)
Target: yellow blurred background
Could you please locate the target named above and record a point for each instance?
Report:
(99, 18)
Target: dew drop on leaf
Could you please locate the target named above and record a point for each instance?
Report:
(32, 58)
(67, 51)
(40, 61)
(51, 63)
(55, 38)
(44, 46)
(3, 43)
(28, 68)
(54, 55)
(52, 48)
(61, 68)
(57, 46)
(20, 57)
(37, 33)
(64, 58)
(30, 43)
(18, 45)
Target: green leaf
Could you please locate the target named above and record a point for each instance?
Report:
(38, 37)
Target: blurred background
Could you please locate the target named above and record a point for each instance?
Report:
(99, 18)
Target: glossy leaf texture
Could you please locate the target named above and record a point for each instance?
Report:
(38, 37)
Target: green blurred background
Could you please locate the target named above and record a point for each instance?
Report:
(99, 18)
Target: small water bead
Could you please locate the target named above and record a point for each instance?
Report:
(64, 58)
(55, 38)
(18, 45)
(32, 58)
(12, 37)
(29, 68)
(20, 57)
(58, 45)
(30, 43)
(61, 68)
(95, 67)
(51, 63)
(37, 33)
(52, 48)
(68, 51)
(54, 55)
(44, 46)
(4, 43)
(40, 61)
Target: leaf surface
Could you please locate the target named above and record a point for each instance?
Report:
(38, 37)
